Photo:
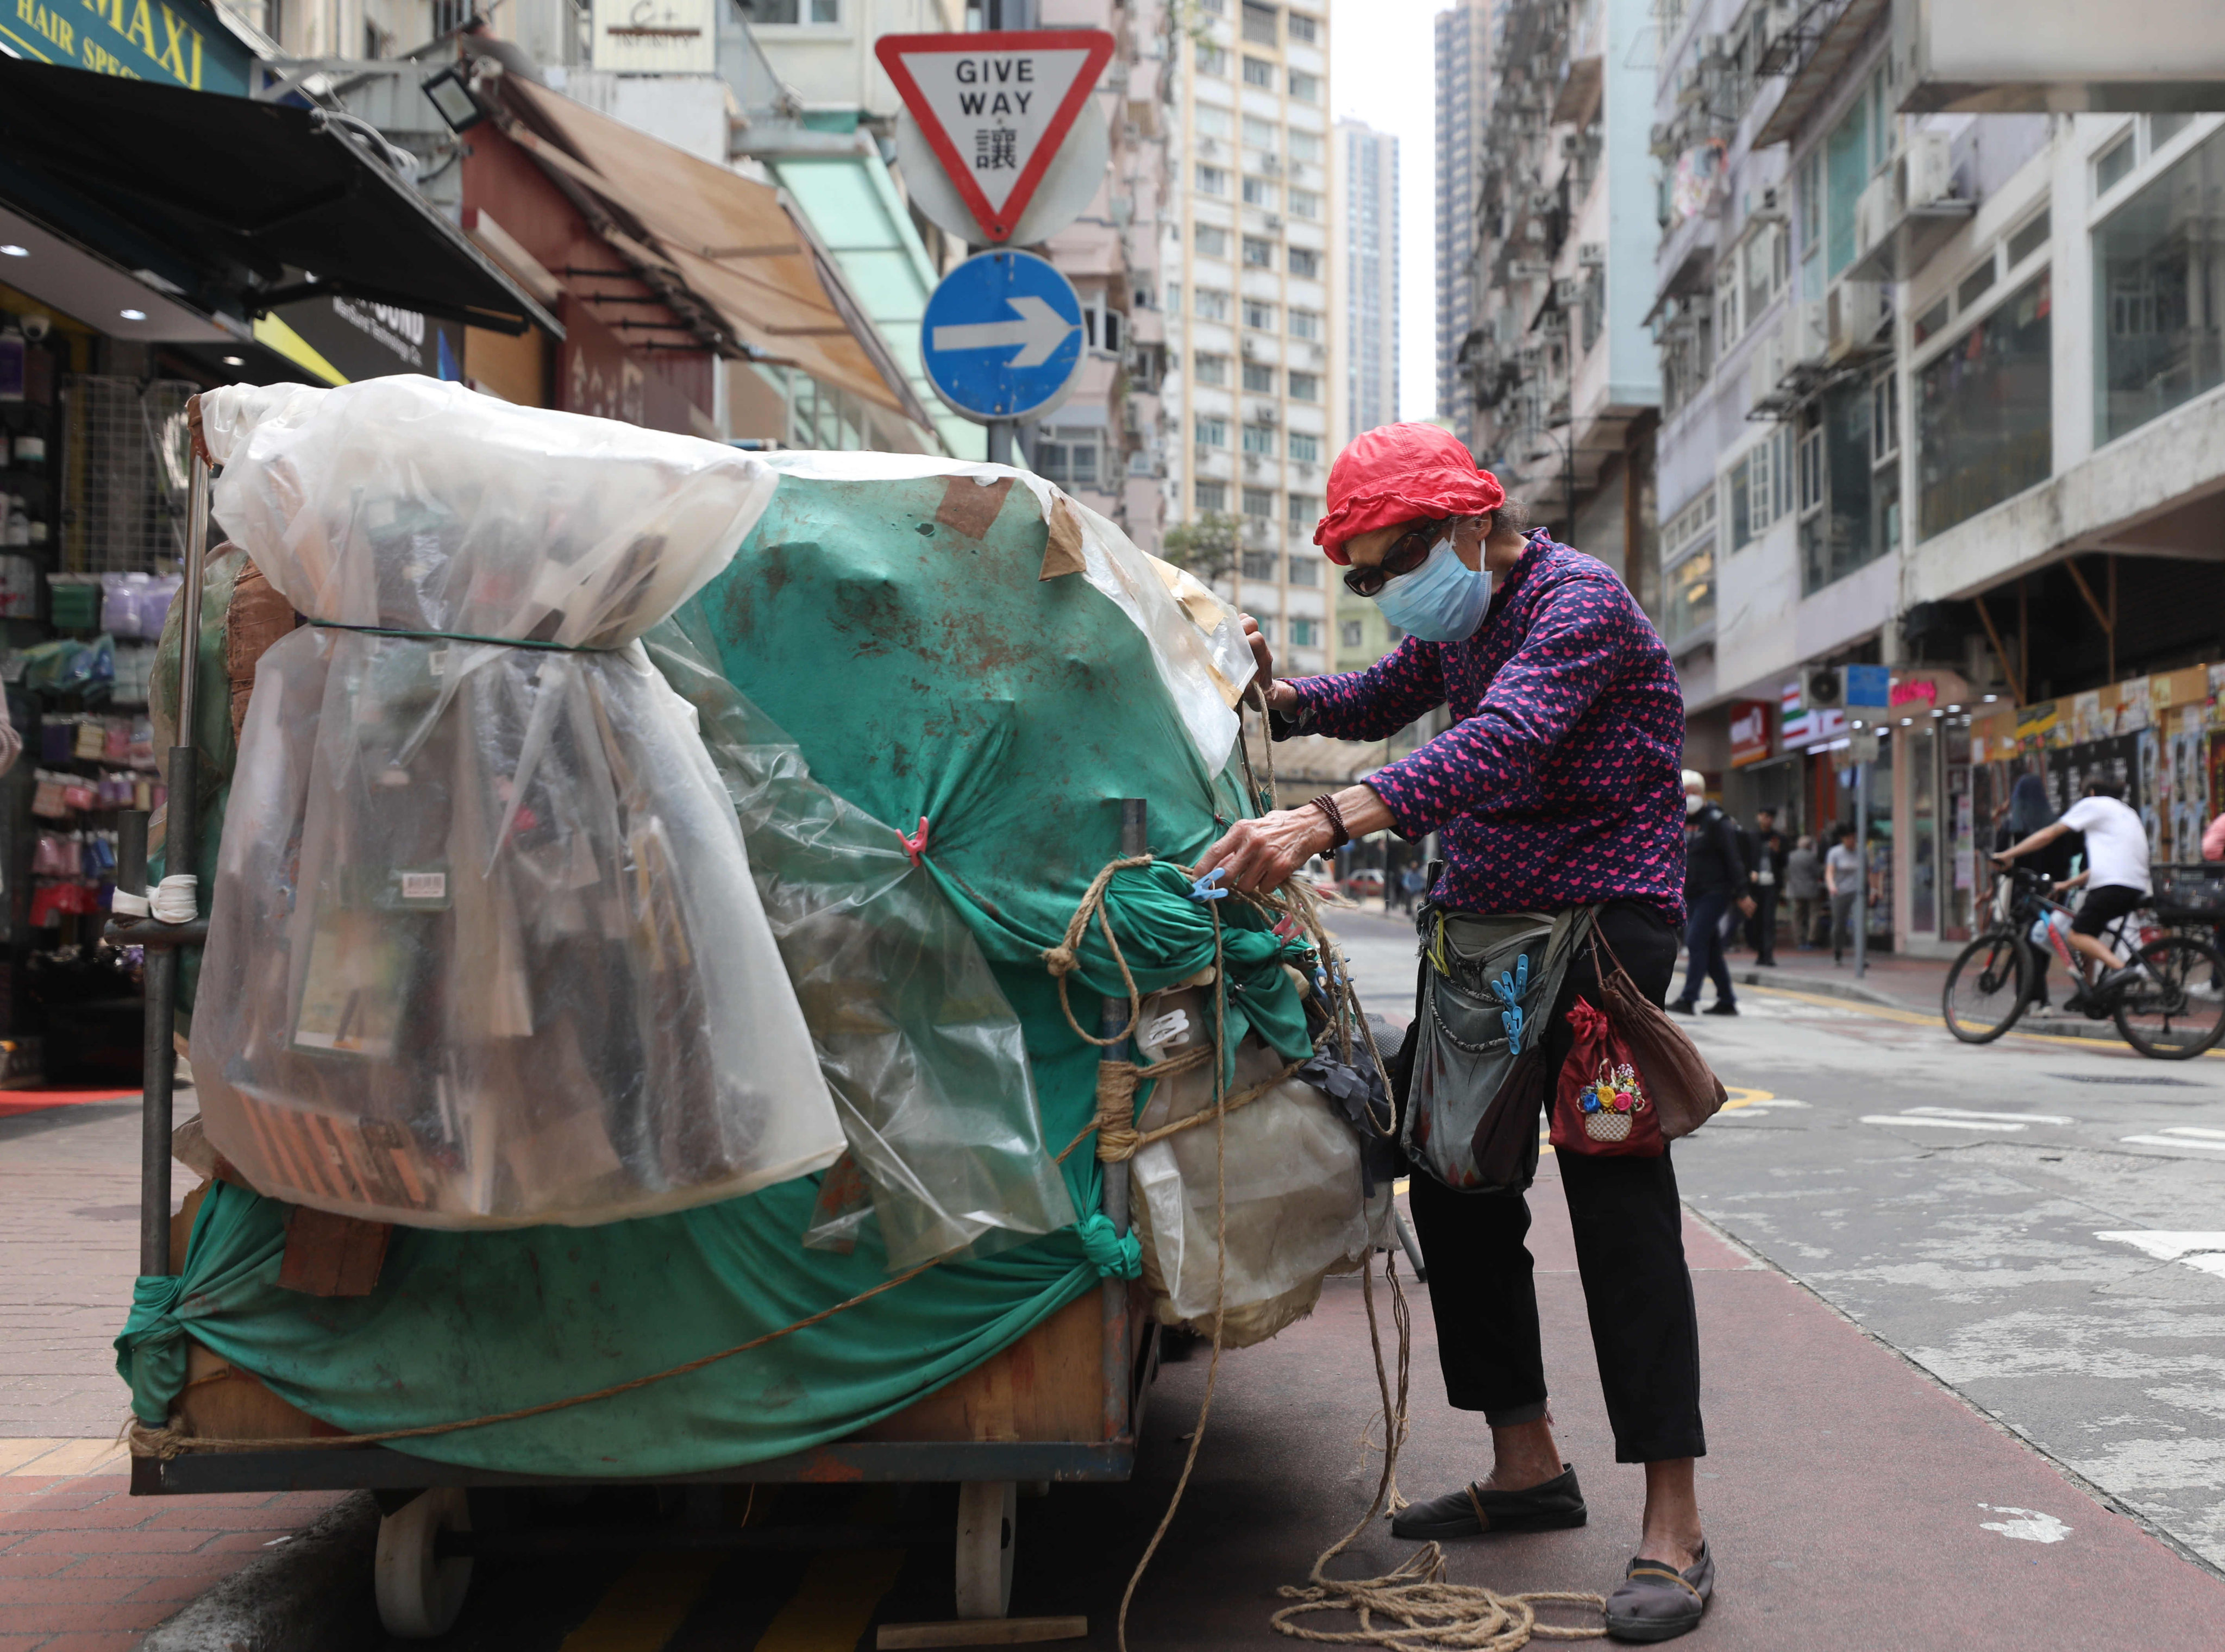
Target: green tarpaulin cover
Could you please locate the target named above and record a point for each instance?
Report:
(896, 627)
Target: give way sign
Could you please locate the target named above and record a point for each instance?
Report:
(995, 106)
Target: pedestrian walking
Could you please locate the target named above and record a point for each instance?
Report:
(2116, 875)
(1803, 888)
(1715, 887)
(1554, 788)
(1765, 882)
(1843, 871)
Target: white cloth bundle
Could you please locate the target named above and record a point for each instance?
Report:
(484, 949)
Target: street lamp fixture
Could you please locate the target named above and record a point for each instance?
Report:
(450, 94)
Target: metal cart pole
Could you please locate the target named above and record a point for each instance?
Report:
(1112, 1019)
(182, 854)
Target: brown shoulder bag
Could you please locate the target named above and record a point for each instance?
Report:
(1684, 1088)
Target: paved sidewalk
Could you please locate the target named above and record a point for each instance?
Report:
(85, 1566)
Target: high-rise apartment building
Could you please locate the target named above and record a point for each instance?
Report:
(1250, 285)
(1463, 55)
(1367, 208)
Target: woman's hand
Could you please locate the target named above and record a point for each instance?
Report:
(1277, 695)
(1261, 854)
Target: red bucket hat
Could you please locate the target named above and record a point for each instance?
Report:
(1399, 473)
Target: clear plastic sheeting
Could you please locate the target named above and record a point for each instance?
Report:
(484, 947)
(925, 1056)
(1295, 1206)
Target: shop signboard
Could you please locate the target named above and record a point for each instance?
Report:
(655, 37)
(353, 338)
(1749, 722)
(179, 44)
(1868, 686)
(597, 375)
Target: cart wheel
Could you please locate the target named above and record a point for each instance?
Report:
(987, 1510)
(419, 1593)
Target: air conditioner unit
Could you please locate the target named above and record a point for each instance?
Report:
(1592, 254)
(1272, 222)
(1572, 145)
(1852, 311)
(1208, 146)
(1564, 291)
(1542, 201)
(1711, 48)
(1927, 169)
(1877, 209)
(1266, 413)
(1528, 269)
(1805, 337)
(1553, 323)
(1822, 689)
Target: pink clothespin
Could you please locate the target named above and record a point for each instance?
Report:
(915, 843)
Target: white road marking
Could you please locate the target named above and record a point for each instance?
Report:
(2174, 1140)
(1999, 1118)
(2167, 1247)
(2196, 1131)
(2029, 1525)
(1937, 1123)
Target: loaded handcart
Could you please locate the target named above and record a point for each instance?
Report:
(635, 909)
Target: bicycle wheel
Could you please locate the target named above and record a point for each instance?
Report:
(2175, 1010)
(1986, 988)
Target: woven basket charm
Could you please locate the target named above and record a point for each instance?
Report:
(1611, 1102)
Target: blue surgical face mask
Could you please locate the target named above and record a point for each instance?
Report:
(1442, 601)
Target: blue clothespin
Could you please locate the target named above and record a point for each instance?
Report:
(1205, 889)
(1509, 989)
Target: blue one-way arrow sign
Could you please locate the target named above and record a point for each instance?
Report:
(1002, 337)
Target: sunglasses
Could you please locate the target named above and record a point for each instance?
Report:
(1408, 552)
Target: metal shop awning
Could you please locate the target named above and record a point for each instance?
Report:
(236, 206)
(703, 231)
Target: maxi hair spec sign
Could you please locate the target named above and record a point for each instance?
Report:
(995, 107)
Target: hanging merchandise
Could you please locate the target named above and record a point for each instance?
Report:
(1299, 1206)
(484, 949)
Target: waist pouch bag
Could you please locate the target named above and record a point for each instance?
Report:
(1600, 1106)
(1683, 1089)
(1478, 1045)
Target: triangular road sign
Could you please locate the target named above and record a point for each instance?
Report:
(995, 106)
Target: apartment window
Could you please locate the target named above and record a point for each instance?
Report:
(2159, 269)
(1259, 439)
(1305, 449)
(1931, 323)
(1689, 606)
(1259, 134)
(1305, 324)
(1259, 254)
(790, 11)
(1067, 457)
(1259, 565)
(1845, 532)
(1265, 621)
(1259, 380)
(1811, 226)
(1304, 146)
(1726, 302)
(1259, 316)
(1212, 180)
(1846, 158)
(1209, 240)
(2028, 240)
(1209, 120)
(1211, 369)
(1811, 458)
(1974, 285)
(1305, 509)
(2114, 164)
(1258, 72)
(1305, 387)
(1305, 262)
(1213, 59)
(2161, 128)
(1306, 88)
(1305, 633)
(1258, 23)
(1305, 203)
(1211, 304)
(1212, 432)
(1764, 257)
(1351, 633)
(1885, 462)
(1984, 427)
(1212, 497)
(1257, 191)
(1303, 28)
(1305, 570)
(1259, 507)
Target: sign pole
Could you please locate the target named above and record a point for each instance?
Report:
(1000, 442)
(1862, 875)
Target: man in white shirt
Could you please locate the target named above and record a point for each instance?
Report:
(2116, 875)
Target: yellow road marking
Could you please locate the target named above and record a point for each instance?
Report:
(1916, 1018)
(646, 1606)
(834, 1604)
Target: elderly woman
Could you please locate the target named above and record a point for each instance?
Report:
(1555, 788)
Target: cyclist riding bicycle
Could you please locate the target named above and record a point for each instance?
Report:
(2116, 875)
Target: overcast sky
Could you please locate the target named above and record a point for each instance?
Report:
(1382, 56)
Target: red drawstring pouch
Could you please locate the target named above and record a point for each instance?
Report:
(1600, 1106)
